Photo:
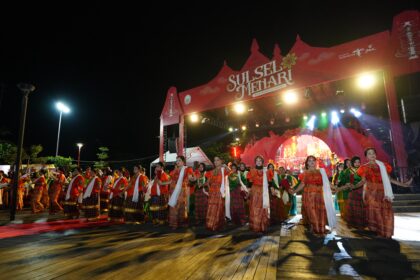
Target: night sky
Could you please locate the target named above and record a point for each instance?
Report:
(113, 63)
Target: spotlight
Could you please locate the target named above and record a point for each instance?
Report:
(366, 81)
(355, 112)
(194, 118)
(323, 114)
(334, 118)
(243, 127)
(230, 129)
(290, 97)
(236, 139)
(239, 108)
(342, 111)
(305, 117)
(257, 124)
(311, 123)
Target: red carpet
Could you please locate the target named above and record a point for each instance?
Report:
(14, 230)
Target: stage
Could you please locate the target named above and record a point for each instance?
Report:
(104, 251)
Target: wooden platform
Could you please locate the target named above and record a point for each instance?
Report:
(147, 252)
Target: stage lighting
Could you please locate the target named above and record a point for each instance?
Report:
(311, 123)
(230, 129)
(305, 117)
(355, 112)
(366, 81)
(257, 124)
(323, 114)
(290, 97)
(236, 139)
(342, 111)
(334, 118)
(239, 108)
(194, 118)
(243, 127)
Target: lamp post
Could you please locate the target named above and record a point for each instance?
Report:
(80, 145)
(26, 89)
(63, 109)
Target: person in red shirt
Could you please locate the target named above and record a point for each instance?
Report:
(314, 206)
(134, 202)
(40, 184)
(159, 195)
(56, 188)
(74, 190)
(91, 196)
(178, 211)
(107, 182)
(117, 198)
(215, 219)
(201, 195)
(259, 205)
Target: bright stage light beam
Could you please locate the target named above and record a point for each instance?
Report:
(239, 108)
(366, 81)
(194, 118)
(290, 97)
(334, 118)
(311, 123)
(355, 112)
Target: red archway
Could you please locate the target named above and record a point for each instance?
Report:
(351, 143)
(393, 53)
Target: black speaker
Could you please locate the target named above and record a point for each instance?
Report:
(411, 108)
(173, 145)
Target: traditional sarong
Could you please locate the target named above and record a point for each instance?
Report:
(71, 208)
(356, 216)
(215, 218)
(237, 207)
(258, 216)
(314, 208)
(342, 198)
(134, 211)
(178, 215)
(104, 201)
(159, 208)
(91, 206)
(276, 210)
(116, 209)
(201, 206)
(379, 213)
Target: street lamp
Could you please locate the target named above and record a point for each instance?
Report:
(80, 145)
(26, 89)
(63, 109)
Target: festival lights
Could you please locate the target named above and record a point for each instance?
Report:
(290, 97)
(239, 108)
(366, 81)
(194, 118)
